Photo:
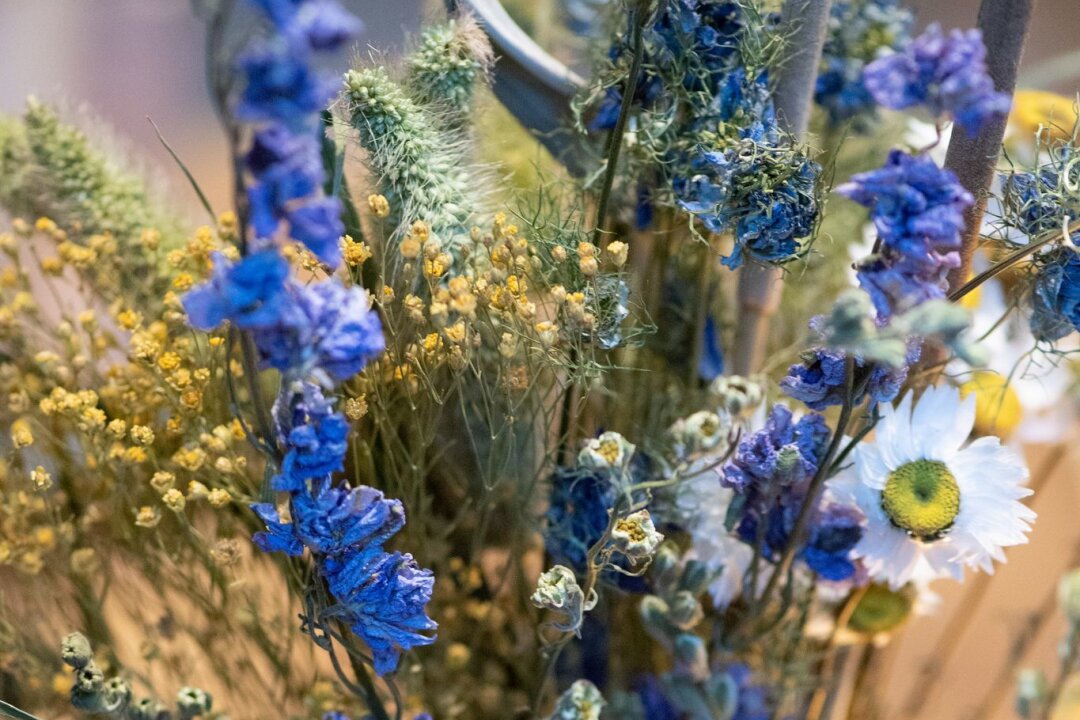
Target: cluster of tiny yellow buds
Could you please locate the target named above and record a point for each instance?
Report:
(356, 407)
(387, 293)
(462, 298)
(8, 244)
(219, 498)
(226, 552)
(50, 228)
(148, 517)
(21, 227)
(183, 281)
(103, 244)
(199, 247)
(142, 435)
(168, 361)
(414, 308)
(150, 239)
(354, 253)
(191, 399)
(18, 401)
(174, 500)
(508, 345)
(76, 255)
(41, 479)
(23, 302)
(307, 260)
(378, 205)
(191, 458)
(587, 261)
(21, 436)
(558, 253)
(228, 226)
(456, 333)
(162, 481)
(548, 332)
(128, 319)
(117, 428)
(85, 563)
(216, 341)
(52, 265)
(197, 491)
(618, 251)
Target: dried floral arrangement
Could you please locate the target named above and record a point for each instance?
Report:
(682, 425)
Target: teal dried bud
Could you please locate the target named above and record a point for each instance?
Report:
(723, 694)
(665, 567)
(850, 324)
(654, 614)
(448, 64)
(696, 577)
(691, 656)
(685, 611)
(1032, 690)
(582, 701)
(75, 650)
(558, 590)
(192, 702)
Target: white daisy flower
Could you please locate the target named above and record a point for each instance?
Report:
(932, 504)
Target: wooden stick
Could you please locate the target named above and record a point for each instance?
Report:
(762, 286)
(1004, 25)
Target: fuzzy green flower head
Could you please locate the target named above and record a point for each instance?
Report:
(446, 66)
(610, 451)
(558, 590)
(635, 536)
(582, 701)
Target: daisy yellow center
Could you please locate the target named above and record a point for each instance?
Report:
(922, 498)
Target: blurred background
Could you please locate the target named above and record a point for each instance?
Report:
(125, 60)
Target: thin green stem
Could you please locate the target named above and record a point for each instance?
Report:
(638, 17)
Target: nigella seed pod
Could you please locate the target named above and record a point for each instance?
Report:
(192, 702)
(695, 577)
(665, 567)
(723, 694)
(116, 695)
(75, 650)
(149, 709)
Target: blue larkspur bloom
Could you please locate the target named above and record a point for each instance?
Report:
(945, 73)
(317, 224)
(282, 86)
(692, 44)
(339, 518)
(383, 598)
(250, 293)
(859, 31)
(278, 536)
(329, 328)
(835, 531)
(771, 473)
(1055, 297)
(918, 212)
(315, 449)
(818, 381)
(286, 167)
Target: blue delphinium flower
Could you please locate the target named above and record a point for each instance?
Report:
(690, 43)
(250, 293)
(918, 211)
(818, 381)
(859, 31)
(945, 73)
(286, 91)
(1055, 297)
(771, 473)
(329, 328)
(755, 700)
(315, 334)
(383, 598)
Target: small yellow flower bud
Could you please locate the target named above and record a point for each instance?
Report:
(197, 491)
(117, 428)
(618, 252)
(219, 498)
(378, 205)
(21, 435)
(162, 481)
(148, 517)
(174, 500)
(356, 407)
(41, 478)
